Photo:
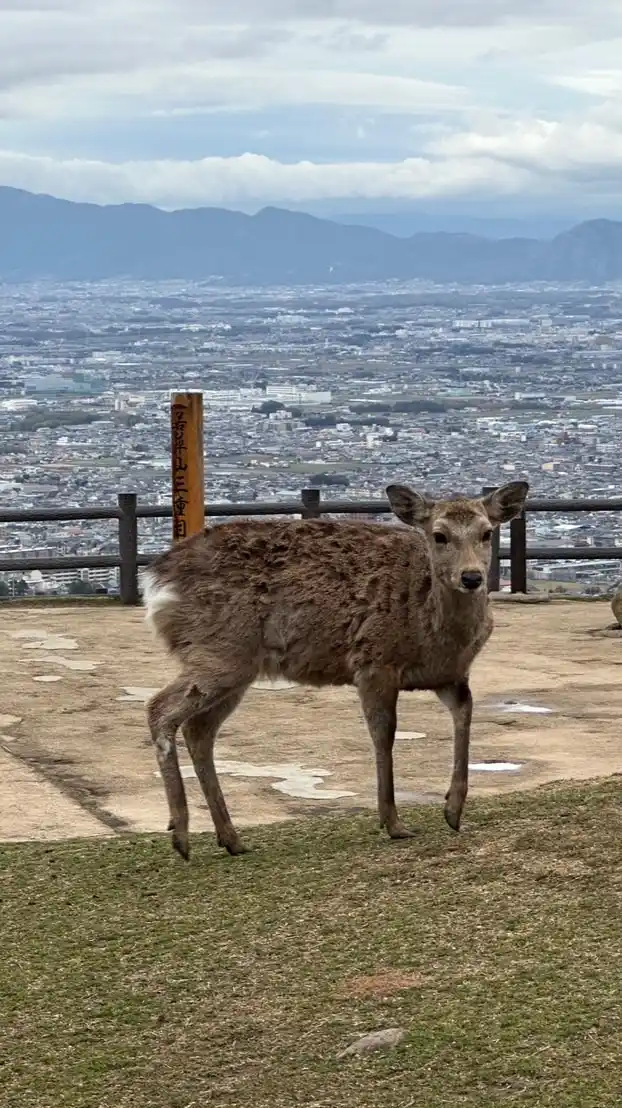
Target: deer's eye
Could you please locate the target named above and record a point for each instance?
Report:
(440, 539)
(486, 537)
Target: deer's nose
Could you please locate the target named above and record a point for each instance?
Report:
(471, 579)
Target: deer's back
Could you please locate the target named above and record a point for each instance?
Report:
(305, 595)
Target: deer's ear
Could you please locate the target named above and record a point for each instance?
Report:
(408, 505)
(507, 502)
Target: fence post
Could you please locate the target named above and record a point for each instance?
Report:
(518, 553)
(128, 548)
(187, 466)
(494, 573)
(310, 503)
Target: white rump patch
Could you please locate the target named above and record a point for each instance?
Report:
(164, 748)
(156, 596)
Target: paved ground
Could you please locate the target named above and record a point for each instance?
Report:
(75, 758)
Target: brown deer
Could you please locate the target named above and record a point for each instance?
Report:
(321, 602)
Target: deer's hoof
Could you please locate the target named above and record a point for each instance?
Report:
(181, 844)
(452, 817)
(398, 831)
(233, 846)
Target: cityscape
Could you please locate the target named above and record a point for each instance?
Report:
(447, 388)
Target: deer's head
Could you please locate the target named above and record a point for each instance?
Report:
(459, 531)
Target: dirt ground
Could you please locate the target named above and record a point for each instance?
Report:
(75, 758)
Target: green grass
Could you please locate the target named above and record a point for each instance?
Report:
(130, 979)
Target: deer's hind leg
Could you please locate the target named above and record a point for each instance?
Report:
(200, 735)
(166, 712)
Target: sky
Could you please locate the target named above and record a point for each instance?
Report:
(515, 104)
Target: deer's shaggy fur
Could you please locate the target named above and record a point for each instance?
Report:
(323, 602)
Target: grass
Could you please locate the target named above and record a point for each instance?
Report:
(131, 980)
(10, 603)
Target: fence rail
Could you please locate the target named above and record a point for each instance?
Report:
(128, 512)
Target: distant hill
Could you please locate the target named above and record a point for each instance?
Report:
(41, 236)
(407, 223)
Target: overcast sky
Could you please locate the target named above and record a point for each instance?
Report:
(186, 102)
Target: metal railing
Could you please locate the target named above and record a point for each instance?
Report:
(310, 506)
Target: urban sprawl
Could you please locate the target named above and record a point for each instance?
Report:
(346, 389)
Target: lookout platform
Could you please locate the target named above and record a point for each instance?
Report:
(76, 760)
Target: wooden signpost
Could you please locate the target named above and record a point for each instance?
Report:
(187, 471)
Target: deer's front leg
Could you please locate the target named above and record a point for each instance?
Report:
(457, 697)
(379, 704)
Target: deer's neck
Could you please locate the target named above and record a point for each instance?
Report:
(459, 614)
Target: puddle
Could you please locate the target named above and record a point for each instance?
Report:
(136, 694)
(51, 642)
(33, 633)
(83, 666)
(517, 706)
(48, 677)
(292, 779)
(494, 767)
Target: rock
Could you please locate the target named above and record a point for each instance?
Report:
(616, 604)
(376, 1040)
(9, 721)
(611, 631)
(521, 597)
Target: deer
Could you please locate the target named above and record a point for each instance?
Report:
(382, 607)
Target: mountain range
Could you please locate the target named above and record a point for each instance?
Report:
(44, 237)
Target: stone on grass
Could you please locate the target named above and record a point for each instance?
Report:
(376, 1040)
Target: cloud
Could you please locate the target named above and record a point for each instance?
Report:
(536, 158)
(411, 98)
(91, 59)
(416, 13)
(589, 149)
(412, 13)
(198, 89)
(21, 6)
(48, 43)
(249, 179)
(598, 82)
